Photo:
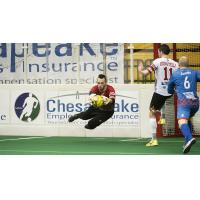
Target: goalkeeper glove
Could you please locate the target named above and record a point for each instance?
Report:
(106, 100)
(91, 97)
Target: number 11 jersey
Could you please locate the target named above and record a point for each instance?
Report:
(163, 68)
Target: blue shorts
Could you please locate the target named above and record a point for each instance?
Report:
(186, 111)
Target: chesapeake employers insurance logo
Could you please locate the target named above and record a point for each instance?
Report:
(27, 107)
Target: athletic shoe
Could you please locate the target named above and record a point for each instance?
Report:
(162, 121)
(152, 143)
(73, 117)
(188, 145)
(88, 127)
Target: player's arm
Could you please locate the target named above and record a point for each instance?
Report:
(25, 103)
(111, 98)
(92, 94)
(106, 100)
(146, 71)
(36, 103)
(171, 85)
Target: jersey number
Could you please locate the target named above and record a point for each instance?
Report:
(186, 83)
(166, 78)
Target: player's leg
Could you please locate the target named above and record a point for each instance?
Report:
(185, 129)
(99, 118)
(193, 111)
(183, 115)
(162, 116)
(23, 113)
(85, 115)
(190, 124)
(28, 113)
(152, 119)
(162, 120)
(156, 104)
(153, 128)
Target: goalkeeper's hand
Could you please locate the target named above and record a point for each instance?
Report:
(106, 100)
(91, 97)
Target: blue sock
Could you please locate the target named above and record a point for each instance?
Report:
(190, 125)
(185, 129)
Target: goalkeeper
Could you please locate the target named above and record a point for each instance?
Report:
(102, 97)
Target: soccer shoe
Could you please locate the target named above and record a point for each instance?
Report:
(88, 127)
(73, 117)
(188, 145)
(162, 121)
(152, 143)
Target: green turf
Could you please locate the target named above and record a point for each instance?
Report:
(10, 145)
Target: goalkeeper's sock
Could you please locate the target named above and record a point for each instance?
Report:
(186, 132)
(153, 126)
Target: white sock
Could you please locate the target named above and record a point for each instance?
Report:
(153, 126)
(162, 112)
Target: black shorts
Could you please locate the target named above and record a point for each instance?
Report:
(158, 101)
(96, 116)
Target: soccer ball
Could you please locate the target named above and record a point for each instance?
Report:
(97, 101)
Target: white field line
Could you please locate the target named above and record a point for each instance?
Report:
(132, 139)
(163, 141)
(124, 140)
(23, 138)
(79, 153)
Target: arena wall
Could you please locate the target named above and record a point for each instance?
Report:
(43, 110)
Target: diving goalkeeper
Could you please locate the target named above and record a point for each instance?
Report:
(102, 97)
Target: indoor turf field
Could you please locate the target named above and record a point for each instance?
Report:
(24, 145)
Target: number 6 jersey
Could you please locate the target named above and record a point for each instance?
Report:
(185, 80)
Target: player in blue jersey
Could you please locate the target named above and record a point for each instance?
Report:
(184, 81)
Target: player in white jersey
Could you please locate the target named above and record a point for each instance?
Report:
(163, 68)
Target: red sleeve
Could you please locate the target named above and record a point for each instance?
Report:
(111, 92)
(94, 90)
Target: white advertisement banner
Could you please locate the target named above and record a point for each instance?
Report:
(5, 106)
(45, 110)
(60, 106)
(60, 63)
